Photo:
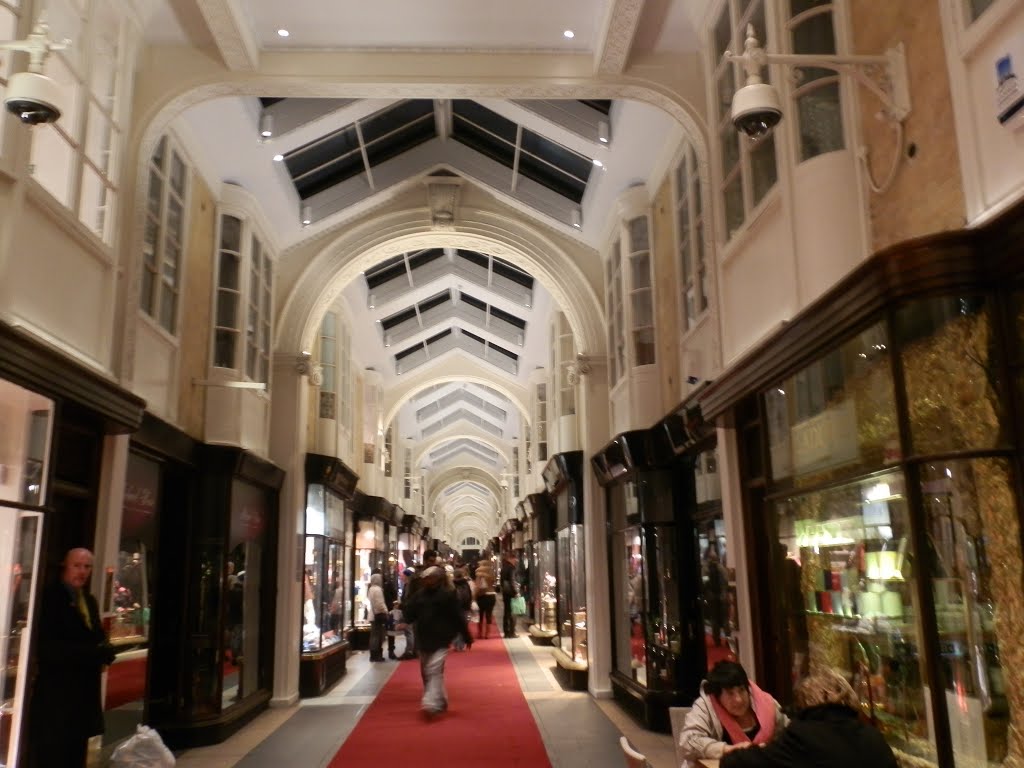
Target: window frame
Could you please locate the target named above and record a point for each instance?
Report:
(171, 150)
(62, 160)
(249, 232)
(800, 88)
(615, 314)
(692, 255)
(742, 172)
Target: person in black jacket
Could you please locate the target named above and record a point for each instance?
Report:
(509, 589)
(828, 730)
(434, 610)
(72, 650)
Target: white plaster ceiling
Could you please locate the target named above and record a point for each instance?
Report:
(223, 133)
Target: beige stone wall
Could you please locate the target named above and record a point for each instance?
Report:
(666, 294)
(196, 307)
(927, 194)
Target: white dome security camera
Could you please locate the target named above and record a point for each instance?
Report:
(31, 95)
(33, 98)
(756, 109)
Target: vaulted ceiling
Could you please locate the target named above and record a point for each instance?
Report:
(316, 164)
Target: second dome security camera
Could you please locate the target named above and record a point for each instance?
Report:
(756, 109)
(33, 98)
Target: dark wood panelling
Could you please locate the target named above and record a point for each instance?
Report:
(28, 363)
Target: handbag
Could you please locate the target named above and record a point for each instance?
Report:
(519, 606)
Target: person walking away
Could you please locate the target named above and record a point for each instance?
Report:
(72, 652)
(829, 729)
(509, 589)
(485, 597)
(464, 594)
(434, 610)
(379, 609)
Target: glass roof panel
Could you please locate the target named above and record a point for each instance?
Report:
(394, 118)
(385, 271)
(422, 258)
(470, 112)
(604, 106)
(513, 273)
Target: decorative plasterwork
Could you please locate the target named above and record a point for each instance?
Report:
(617, 39)
(230, 30)
(400, 394)
(425, 449)
(443, 198)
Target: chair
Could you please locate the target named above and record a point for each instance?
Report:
(677, 716)
(634, 759)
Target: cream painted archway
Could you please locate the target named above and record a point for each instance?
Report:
(458, 474)
(178, 79)
(377, 238)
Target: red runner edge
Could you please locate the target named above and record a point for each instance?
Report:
(488, 721)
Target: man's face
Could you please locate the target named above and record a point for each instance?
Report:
(77, 568)
(736, 701)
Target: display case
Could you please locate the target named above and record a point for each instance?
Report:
(326, 592)
(544, 567)
(563, 479)
(658, 656)
(373, 515)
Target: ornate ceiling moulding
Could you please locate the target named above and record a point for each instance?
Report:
(443, 198)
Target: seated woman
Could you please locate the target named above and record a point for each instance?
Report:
(828, 730)
(730, 714)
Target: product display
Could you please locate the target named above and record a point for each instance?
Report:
(571, 591)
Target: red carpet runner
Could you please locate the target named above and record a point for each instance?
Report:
(488, 721)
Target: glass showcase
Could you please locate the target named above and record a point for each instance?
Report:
(324, 584)
(855, 591)
(572, 595)
(132, 598)
(368, 555)
(545, 609)
(25, 424)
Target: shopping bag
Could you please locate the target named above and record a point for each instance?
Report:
(519, 606)
(143, 750)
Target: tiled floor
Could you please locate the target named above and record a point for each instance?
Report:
(310, 733)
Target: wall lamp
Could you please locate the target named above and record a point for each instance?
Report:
(757, 109)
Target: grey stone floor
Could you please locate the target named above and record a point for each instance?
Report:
(310, 733)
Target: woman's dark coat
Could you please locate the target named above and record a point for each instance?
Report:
(71, 655)
(829, 736)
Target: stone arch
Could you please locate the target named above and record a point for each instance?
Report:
(358, 248)
(174, 86)
(457, 475)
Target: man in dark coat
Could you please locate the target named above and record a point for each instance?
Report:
(509, 590)
(72, 651)
(434, 610)
(828, 729)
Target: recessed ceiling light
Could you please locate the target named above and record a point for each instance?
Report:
(598, 163)
(569, 34)
(283, 32)
(278, 158)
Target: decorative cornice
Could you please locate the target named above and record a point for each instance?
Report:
(620, 27)
(443, 198)
(231, 32)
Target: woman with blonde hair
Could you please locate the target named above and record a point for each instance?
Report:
(828, 730)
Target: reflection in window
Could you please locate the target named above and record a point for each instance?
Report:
(132, 598)
(846, 569)
(952, 379)
(972, 526)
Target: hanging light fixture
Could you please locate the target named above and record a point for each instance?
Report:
(576, 218)
(307, 214)
(602, 131)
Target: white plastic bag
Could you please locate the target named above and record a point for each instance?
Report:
(143, 750)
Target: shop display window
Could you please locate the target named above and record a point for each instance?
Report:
(572, 596)
(545, 608)
(717, 591)
(25, 420)
(241, 585)
(976, 570)
(846, 570)
(369, 555)
(837, 417)
(952, 383)
(133, 578)
(324, 591)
